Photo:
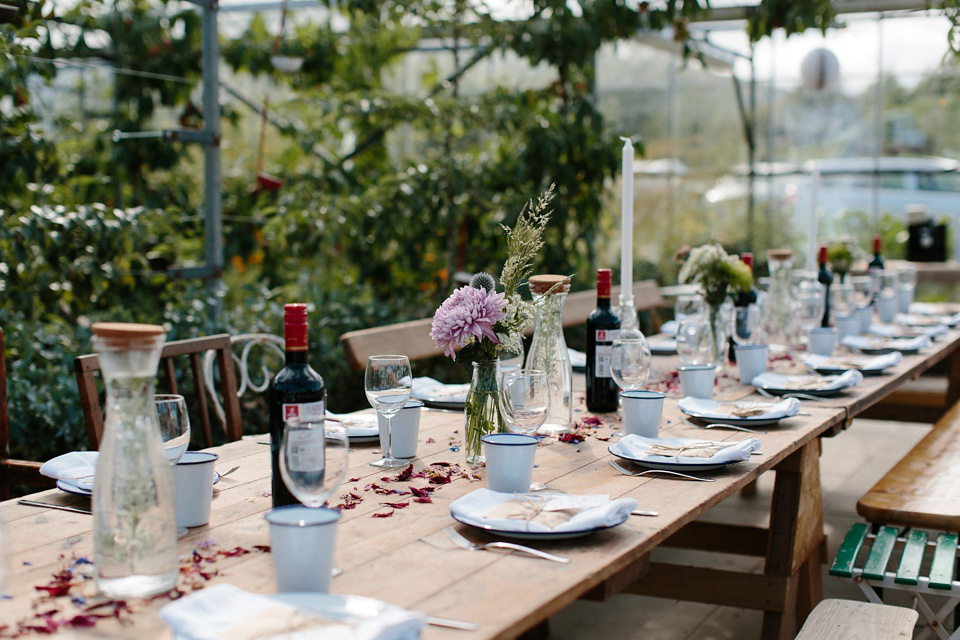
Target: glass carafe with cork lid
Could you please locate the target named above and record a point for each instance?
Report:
(134, 508)
(548, 350)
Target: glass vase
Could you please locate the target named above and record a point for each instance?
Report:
(720, 328)
(482, 411)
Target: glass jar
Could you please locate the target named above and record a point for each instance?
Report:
(134, 509)
(548, 349)
(482, 413)
(776, 317)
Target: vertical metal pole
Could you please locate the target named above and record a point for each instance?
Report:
(878, 127)
(213, 211)
(752, 151)
(773, 201)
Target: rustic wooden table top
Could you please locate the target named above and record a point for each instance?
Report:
(400, 554)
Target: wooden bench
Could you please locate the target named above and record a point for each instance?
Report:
(412, 338)
(850, 620)
(913, 513)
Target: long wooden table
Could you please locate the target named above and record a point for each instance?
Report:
(405, 558)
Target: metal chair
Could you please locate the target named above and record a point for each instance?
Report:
(193, 348)
(248, 344)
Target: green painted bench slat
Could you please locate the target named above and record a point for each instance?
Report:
(880, 554)
(912, 557)
(849, 550)
(944, 557)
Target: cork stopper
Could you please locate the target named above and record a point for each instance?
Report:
(543, 283)
(780, 254)
(126, 335)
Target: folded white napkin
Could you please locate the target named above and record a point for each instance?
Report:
(224, 612)
(712, 409)
(662, 345)
(946, 310)
(865, 343)
(77, 468)
(357, 424)
(669, 328)
(863, 363)
(593, 511)
(425, 388)
(638, 447)
(577, 358)
(770, 380)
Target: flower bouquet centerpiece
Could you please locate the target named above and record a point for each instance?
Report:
(719, 275)
(483, 322)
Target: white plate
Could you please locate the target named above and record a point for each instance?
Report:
(663, 346)
(668, 464)
(438, 395)
(868, 366)
(706, 410)
(68, 487)
(880, 346)
(467, 510)
(780, 384)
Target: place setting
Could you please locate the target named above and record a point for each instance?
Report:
(866, 364)
(438, 395)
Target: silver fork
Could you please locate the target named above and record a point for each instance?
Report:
(720, 425)
(471, 546)
(798, 396)
(649, 472)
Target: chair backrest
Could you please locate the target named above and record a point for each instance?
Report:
(246, 343)
(193, 348)
(412, 338)
(13, 471)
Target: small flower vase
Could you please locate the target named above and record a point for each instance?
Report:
(720, 329)
(482, 410)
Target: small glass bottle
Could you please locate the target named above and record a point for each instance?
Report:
(548, 349)
(134, 509)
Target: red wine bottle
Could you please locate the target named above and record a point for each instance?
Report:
(297, 391)
(875, 267)
(825, 277)
(603, 327)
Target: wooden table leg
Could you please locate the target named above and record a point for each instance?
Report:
(796, 533)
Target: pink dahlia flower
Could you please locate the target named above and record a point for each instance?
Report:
(467, 313)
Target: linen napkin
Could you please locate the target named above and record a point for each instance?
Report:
(864, 343)
(755, 410)
(578, 359)
(669, 328)
(862, 363)
(770, 380)
(225, 612)
(358, 424)
(506, 511)
(425, 388)
(640, 448)
(77, 468)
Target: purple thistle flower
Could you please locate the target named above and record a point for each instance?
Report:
(466, 314)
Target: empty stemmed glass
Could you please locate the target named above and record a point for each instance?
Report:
(695, 340)
(630, 363)
(313, 460)
(174, 425)
(524, 398)
(387, 382)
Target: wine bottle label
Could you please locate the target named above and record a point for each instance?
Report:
(605, 338)
(305, 450)
(303, 412)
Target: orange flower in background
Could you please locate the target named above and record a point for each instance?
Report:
(256, 256)
(238, 264)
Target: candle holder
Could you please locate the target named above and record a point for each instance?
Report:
(629, 324)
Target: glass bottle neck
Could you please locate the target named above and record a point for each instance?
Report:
(297, 356)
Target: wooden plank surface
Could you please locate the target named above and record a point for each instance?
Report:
(405, 559)
(850, 620)
(923, 488)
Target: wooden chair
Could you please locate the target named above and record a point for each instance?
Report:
(13, 471)
(851, 620)
(248, 344)
(193, 348)
(412, 338)
(909, 542)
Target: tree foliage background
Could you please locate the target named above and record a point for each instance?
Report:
(368, 230)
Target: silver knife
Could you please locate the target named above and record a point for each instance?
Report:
(451, 624)
(51, 505)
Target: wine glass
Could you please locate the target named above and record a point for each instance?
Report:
(524, 398)
(313, 459)
(694, 340)
(174, 425)
(387, 383)
(747, 328)
(630, 363)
